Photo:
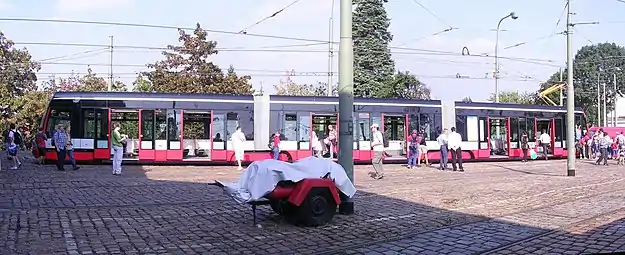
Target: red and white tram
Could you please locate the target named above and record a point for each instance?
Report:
(195, 127)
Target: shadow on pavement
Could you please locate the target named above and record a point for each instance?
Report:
(90, 211)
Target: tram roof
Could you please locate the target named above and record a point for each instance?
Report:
(509, 106)
(146, 95)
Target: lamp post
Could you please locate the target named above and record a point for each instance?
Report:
(513, 16)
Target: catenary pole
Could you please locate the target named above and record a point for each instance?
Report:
(346, 98)
(570, 97)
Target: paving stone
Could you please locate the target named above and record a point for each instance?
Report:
(170, 210)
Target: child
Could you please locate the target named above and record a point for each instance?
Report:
(621, 155)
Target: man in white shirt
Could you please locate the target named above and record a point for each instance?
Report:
(545, 141)
(377, 144)
(442, 142)
(454, 142)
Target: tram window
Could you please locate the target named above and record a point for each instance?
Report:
(426, 124)
(531, 132)
(522, 125)
(232, 122)
(147, 125)
(246, 122)
(274, 122)
(89, 124)
(304, 128)
(559, 133)
(101, 118)
(514, 129)
(173, 125)
(394, 127)
(160, 129)
(290, 127)
(196, 125)
(218, 127)
(413, 120)
(437, 130)
(56, 118)
(363, 127)
(461, 123)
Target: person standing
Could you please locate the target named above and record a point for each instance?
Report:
(15, 140)
(331, 140)
(524, 145)
(378, 150)
(69, 148)
(118, 149)
(454, 141)
(275, 144)
(60, 140)
(40, 142)
(603, 149)
(442, 143)
(238, 144)
(413, 149)
(545, 142)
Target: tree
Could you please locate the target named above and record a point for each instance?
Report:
(514, 97)
(593, 65)
(142, 85)
(467, 100)
(373, 66)
(187, 70)
(406, 86)
(87, 82)
(17, 76)
(288, 87)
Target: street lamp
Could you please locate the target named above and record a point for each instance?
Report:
(513, 16)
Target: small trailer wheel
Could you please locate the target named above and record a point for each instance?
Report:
(317, 209)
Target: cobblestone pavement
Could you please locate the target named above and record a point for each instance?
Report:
(498, 208)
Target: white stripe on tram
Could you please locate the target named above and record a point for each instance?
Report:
(199, 100)
(511, 109)
(357, 103)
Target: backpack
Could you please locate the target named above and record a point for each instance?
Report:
(17, 138)
(414, 143)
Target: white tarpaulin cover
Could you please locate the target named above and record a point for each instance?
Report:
(261, 177)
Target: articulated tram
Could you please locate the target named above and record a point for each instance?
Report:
(195, 128)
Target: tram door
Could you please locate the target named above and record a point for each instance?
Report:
(321, 126)
(394, 129)
(499, 137)
(196, 135)
(128, 120)
(546, 125)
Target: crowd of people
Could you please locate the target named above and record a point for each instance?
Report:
(601, 146)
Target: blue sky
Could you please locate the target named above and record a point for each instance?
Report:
(475, 21)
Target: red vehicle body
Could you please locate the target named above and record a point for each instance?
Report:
(170, 128)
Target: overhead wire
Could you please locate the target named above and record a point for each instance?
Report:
(397, 50)
(244, 31)
(448, 29)
(64, 57)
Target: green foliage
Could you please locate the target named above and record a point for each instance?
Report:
(290, 88)
(187, 69)
(593, 65)
(17, 79)
(406, 86)
(142, 85)
(467, 100)
(86, 83)
(514, 97)
(373, 66)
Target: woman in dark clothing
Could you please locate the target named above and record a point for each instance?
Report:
(524, 145)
